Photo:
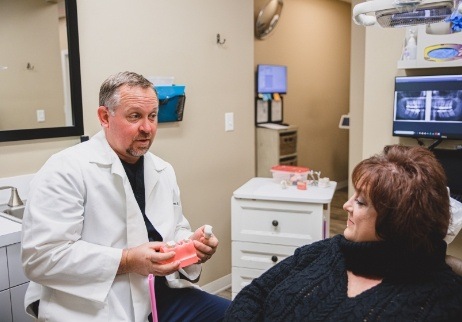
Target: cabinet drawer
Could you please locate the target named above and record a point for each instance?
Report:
(4, 282)
(241, 277)
(15, 265)
(259, 256)
(288, 143)
(17, 303)
(5, 306)
(282, 223)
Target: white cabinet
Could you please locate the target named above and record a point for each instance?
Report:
(15, 266)
(274, 147)
(4, 282)
(268, 223)
(17, 303)
(13, 285)
(5, 306)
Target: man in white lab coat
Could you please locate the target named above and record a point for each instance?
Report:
(96, 217)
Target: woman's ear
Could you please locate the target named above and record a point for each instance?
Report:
(103, 115)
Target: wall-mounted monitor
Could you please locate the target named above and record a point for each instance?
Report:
(428, 107)
(271, 79)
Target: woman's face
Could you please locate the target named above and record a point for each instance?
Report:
(361, 219)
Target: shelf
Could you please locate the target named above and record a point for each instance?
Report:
(421, 63)
(435, 39)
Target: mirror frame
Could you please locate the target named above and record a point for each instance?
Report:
(75, 88)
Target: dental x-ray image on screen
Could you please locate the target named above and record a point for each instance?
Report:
(411, 105)
(428, 106)
(446, 105)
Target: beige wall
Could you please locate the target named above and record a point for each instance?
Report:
(372, 88)
(172, 38)
(313, 39)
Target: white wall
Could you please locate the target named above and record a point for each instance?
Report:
(357, 57)
(173, 38)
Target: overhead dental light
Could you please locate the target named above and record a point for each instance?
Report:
(403, 13)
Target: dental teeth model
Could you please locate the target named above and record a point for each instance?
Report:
(185, 252)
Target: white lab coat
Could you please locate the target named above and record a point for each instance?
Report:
(81, 212)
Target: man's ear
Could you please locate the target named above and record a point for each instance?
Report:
(103, 115)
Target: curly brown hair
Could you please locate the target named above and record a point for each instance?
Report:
(407, 188)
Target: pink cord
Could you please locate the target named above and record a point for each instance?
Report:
(153, 298)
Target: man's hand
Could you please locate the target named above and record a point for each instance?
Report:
(146, 259)
(205, 247)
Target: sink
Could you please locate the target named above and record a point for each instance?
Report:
(13, 213)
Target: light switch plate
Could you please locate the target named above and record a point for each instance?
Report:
(40, 115)
(229, 122)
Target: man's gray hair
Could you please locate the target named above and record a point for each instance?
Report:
(109, 95)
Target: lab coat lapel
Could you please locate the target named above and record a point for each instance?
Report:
(151, 175)
(136, 235)
(136, 229)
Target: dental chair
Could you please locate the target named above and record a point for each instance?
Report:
(455, 226)
(455, 263)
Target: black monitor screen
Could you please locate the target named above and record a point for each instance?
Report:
(428, 107)
(271, 79)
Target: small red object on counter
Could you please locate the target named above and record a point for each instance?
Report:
(301, 185)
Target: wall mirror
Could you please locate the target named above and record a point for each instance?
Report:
(268, 18)
(40, 83)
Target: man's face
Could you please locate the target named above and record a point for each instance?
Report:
(131, 130)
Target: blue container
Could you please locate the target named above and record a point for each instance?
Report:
(171, 102)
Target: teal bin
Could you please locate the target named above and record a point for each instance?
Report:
(171, 102)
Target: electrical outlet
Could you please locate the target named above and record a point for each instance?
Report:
(229, 122)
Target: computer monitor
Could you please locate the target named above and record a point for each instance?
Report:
(271, 79)
(428, 107)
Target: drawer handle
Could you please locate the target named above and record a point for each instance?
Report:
(275, 223)
(274, 258)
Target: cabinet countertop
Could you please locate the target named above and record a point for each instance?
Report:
(10, 232)
(267, 189)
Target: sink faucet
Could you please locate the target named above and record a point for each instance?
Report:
(15, 201)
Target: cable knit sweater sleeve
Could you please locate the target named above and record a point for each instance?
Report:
(249, 303)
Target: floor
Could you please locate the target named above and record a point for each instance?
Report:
(338, 219)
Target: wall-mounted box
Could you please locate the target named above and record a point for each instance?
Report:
(171, 102)
(269, 111)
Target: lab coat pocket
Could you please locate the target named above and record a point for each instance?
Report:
(61, 306)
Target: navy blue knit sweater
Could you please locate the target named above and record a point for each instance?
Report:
(311, 285)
